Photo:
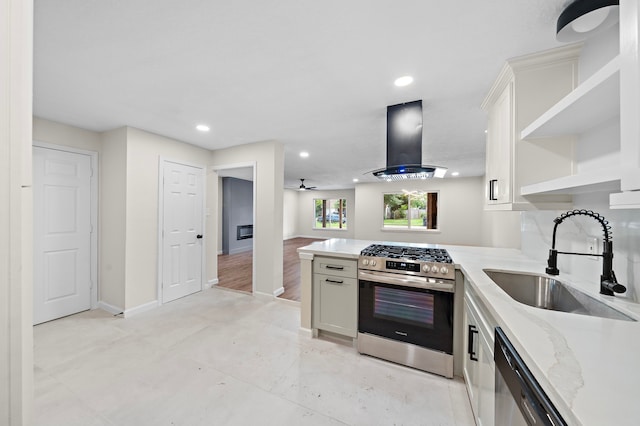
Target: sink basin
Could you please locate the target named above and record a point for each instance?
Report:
(544, 292)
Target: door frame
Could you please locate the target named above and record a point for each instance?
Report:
(254, 166)
(93, 187)
(203, 261)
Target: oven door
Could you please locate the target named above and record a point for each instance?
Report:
(423, 317)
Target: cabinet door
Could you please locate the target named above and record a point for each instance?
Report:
(478, 367)
(470, 368)
(335, 304)
(499, 141)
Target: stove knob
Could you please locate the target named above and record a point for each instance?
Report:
(426, 268)
(444, 270)
(434, 269)
(365, 262)
(373, 263)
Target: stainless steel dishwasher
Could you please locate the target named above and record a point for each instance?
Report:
(519, 398)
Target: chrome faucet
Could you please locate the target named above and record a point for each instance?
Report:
(608, 282)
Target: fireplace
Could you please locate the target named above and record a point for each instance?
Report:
(244, 232)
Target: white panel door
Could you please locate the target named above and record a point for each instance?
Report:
(62, 233)
(182, 230)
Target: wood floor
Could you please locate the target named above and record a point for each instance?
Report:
(234, 270)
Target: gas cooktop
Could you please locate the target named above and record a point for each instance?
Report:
(422, 254)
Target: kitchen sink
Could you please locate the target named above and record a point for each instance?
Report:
(545, 292)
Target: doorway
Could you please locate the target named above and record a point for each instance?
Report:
(64, 231)
(236, 216)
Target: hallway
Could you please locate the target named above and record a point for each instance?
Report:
(234, 274)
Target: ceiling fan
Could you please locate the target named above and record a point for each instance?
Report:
(305, 188)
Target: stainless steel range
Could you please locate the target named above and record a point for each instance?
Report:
(405, 306)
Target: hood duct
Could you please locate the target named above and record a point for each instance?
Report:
(404, 145)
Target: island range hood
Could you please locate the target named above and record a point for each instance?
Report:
(404, 145)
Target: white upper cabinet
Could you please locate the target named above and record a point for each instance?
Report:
(608, 99)
(629, 107)
(525, 89)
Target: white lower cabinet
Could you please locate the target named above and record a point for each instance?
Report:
(478, 364)
(335, 296)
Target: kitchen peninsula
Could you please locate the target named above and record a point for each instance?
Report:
(587, 365)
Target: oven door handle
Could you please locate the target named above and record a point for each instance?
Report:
(406, 280)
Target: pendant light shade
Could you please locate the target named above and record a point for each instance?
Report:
(582, 18)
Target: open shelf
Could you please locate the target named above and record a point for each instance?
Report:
(592, 103)
(596, 181)
(625, 200)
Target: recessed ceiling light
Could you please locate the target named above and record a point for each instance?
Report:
(403, 81)
(304, 154)
(203, 127)
(455, 173)
(355, 179)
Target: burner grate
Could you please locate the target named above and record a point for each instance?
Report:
(410, 253)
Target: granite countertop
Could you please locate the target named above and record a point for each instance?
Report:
(587, 365)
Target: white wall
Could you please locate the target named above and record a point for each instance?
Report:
(290, 214)
(501, 229)
(112, 218)
(460, 211)
(269, 159)
(16, 221)
(62, 134)
(306, 214)
(143, 152)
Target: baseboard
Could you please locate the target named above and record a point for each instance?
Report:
(128, 313)
(114, 310)
(303, 236)
(263, 296)
(278, 292)
(306, 332)
(241, 250)
(211, 283)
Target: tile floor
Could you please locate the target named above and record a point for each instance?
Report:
(224, 358)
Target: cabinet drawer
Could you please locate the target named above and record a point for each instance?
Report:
(335, 305)
(334, 266)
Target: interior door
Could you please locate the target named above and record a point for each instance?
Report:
(62, 233)
(182, 230)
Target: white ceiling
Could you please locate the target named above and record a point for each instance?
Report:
(315, 75)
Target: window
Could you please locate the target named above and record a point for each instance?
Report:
(330, 214)
(416, 210)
